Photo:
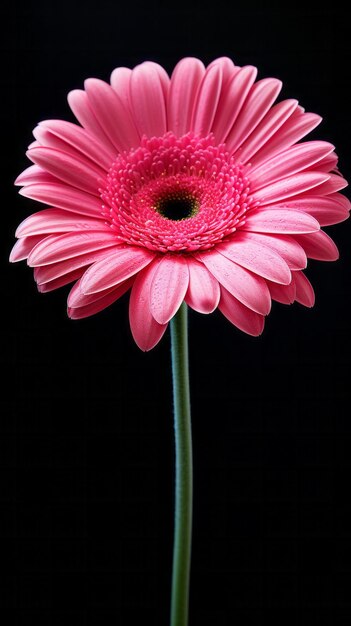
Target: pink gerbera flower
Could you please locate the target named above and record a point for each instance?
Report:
(193, 188)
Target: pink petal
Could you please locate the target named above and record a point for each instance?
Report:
(227, 67)
(243, 318)
(319, 246)
(341, 199)
(185, 82)
(145, 330)
(285, 294)
(249, 288)
(286, 246)
(291, 161)
(256, 257)
(328, 163)
(274, 119)
(57, 248)
(68, 169)
(81, 140)
(120, 82)
(168, 288)
(76, 298)
(113, 116)
(52, 272)
(148, 100)
(203, 291)
(63, 280)
(335, 183)
(64, 197)
(206, 101)
(290, 186)
(56, 221)
(278, 221)
(121, 264)
(231, 101)
(163, 77)
(23, 247)
(79, 103)
(326, 210)
(33, 175)
(304, 290)
(48, 140)
(259, 101)
(100, 303)
(297, 126)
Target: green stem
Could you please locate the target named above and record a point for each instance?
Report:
(184, 469)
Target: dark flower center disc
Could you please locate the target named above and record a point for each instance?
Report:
(177, 207)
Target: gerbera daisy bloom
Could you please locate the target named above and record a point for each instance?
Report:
(192, 188)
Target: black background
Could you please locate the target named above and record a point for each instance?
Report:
(86, 440)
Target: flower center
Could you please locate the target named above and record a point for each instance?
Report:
(176, 194)
(177, 206)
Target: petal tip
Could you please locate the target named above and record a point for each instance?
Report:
(71, 95)
(17, 182)
(288, 278)
(16, 253)
(259, 332)
(308, 303)
(147, 343)
(12, 256)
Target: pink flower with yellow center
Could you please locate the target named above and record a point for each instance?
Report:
(192, 188)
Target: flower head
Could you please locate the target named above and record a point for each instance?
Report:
(195, 187)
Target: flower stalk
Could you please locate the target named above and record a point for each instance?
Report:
(184, 469)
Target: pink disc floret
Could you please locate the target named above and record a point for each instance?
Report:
(189, 171)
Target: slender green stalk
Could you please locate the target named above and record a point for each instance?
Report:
(184, 469)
